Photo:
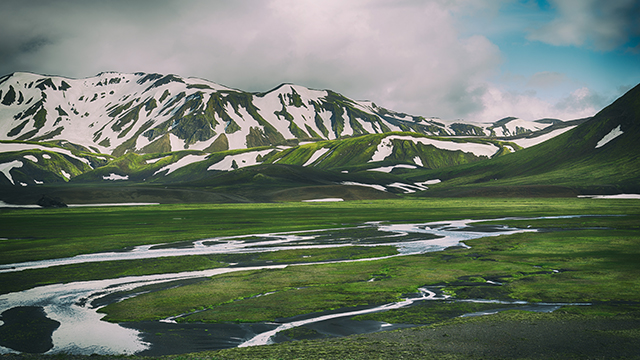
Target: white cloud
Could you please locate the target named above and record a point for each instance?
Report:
(420, 57)
(603, 25)
(528, 105)
(407, 56)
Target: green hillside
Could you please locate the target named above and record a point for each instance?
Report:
(572, 161)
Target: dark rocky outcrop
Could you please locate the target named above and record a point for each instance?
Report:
(48, 202)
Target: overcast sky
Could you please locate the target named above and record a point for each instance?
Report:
(479, 60)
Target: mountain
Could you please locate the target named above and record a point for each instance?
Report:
(163, 138)
(600, 156)
(114, 113)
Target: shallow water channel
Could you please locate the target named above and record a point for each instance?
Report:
(73, 306)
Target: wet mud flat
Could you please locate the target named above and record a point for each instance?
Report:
(27, 328)
(169, 338)
(502, 336)
(509, 335)
(181, 338)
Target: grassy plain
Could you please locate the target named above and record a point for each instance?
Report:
(36, 234)
(594, 258)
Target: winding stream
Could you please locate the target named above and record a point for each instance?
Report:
(74, 305)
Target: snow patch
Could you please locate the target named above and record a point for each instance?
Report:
(38, 182)
(65, 174)
(241, 160)
(408, 188)
(429, 182)
(418, 161)
(189, 159)
(377, 187)
(5, 168)
(114, 177)
(316, 155)
(610, 136)
(324, 200)
(388, 169)
(5, 205)
(176, 143)
(618, 196)
(151, 161)
(31, 157)
(525, 143)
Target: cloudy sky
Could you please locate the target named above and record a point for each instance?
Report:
(478, 60)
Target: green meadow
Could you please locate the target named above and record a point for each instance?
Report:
(591, 259)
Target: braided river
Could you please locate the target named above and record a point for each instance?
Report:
(72, 308)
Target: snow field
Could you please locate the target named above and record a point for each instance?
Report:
(374, 186)
(510, 128)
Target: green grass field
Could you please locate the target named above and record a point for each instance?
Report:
(595, 256)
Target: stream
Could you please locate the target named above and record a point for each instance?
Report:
(80, 331)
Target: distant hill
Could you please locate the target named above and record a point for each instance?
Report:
(602, 155)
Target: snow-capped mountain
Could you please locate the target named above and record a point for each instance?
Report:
(138, 135)
(115, 113)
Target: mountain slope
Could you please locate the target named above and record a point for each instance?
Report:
(600, 155)
(347, 160)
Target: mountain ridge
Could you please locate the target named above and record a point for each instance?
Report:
(145, 113)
